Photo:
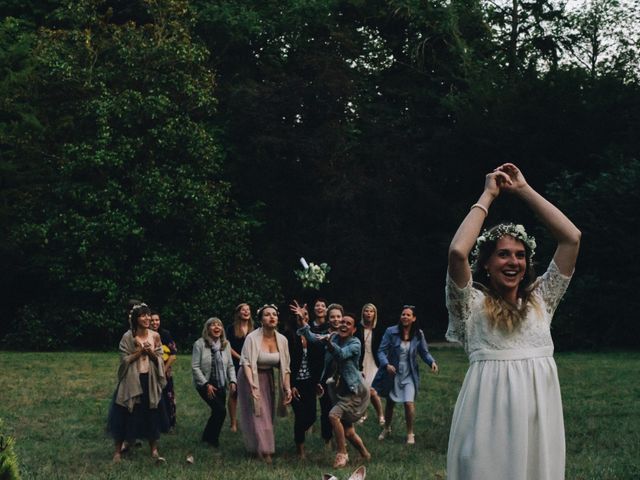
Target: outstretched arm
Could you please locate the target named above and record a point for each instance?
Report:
(563, 230)
(465, 237)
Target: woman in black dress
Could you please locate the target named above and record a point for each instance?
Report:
(307, 362)
(236, 333)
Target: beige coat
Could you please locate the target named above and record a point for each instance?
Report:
(129, 390)
(249, 356)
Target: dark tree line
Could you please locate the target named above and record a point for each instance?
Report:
(190, 152)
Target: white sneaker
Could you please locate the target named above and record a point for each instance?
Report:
(411, 439)
(384, 434)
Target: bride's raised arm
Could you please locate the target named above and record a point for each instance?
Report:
(563, 230)
(465, 237)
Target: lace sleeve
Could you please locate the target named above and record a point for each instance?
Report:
(551, 287)
(458, 301)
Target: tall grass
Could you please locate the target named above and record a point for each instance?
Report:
(55, 405)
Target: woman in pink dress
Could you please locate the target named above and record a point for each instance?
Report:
(264, 351)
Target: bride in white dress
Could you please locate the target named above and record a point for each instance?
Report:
(508, 422)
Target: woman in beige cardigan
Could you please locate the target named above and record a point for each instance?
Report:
(264, 349)
(137, 410)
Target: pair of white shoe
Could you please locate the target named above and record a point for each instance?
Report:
(385, 433)
(411, 438)
(381, 420)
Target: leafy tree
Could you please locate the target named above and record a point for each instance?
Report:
(131, 202)
(352, 132)
(601, 37)
(603, 309)
(333, 114)
(20, 177)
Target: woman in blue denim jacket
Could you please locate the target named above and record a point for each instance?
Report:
(398, 378)
(341, 368)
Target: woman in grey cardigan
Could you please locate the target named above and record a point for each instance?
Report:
(213, 373)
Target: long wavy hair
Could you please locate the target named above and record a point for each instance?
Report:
(413, 329)
(237, 321)
(207, 338)
(502, 314)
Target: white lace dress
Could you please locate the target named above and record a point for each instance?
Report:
(507, 423)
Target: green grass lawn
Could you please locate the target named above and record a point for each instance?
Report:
(55, 405)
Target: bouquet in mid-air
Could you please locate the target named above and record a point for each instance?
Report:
(312, 275)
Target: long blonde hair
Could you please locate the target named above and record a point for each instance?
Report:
(502, 314)
(207, 338)
(375, 314)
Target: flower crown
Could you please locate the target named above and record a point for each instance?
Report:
(135, 307)
(267, 305)
(516, 231)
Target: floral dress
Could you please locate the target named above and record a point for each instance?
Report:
(508, 422)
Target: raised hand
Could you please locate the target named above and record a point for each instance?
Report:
(495, 181)
(300, 311)
(517, 180)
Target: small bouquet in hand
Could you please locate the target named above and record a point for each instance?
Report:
(312, 275)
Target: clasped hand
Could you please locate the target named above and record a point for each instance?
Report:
(145, 348)
(507, 177)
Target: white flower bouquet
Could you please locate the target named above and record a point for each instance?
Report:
(312, 275)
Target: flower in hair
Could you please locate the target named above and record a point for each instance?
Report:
(516, 231)
(135, 307)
